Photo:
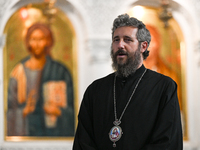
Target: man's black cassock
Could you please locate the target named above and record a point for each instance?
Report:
(151, 121)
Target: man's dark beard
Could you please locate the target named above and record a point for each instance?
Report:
(130, 66)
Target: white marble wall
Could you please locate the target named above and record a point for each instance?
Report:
(92, 20)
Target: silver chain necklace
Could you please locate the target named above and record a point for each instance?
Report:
(116, 131)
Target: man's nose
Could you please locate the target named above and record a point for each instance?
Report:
(121, 44)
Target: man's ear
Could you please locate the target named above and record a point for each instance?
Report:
(144, 46)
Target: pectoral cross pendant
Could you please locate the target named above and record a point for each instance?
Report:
(115, 132)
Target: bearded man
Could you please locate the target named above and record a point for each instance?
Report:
(138, 103)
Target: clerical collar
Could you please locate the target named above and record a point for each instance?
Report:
(136, 74)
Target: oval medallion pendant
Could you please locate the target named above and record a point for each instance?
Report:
(115, 134)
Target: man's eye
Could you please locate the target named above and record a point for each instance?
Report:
(115, 40)
(127, 39)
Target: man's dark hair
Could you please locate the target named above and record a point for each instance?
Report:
(143, 33)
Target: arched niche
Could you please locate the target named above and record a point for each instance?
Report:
(165, 49)
(69, 21)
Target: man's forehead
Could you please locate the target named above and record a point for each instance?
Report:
(125, 31)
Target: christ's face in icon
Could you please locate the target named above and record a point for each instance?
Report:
(38, 42)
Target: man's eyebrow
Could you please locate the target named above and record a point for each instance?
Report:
(115, 37)
(127, 37)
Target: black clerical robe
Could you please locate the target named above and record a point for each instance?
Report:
(151, 121)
